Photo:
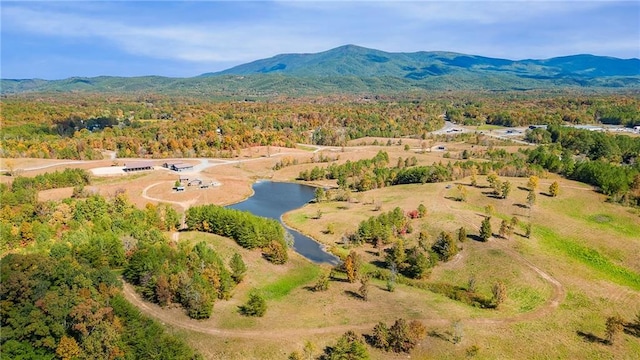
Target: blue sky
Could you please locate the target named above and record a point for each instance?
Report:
(54, 40)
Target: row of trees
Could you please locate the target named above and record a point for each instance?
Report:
(401, 337)
(248, 230)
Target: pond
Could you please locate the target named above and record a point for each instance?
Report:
(272, 199)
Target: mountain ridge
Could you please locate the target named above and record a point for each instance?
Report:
(355, 69)
(360, 61)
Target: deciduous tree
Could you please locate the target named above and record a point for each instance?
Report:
(554, 189)
(352, 266)
(499, 291)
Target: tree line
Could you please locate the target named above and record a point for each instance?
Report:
(248, 230)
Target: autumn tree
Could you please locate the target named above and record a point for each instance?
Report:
(352, 266)
(532, 184)
(485, 229)
(68, 348)
(554, 189)
(492, 179)
(462, 193)
(499, 291)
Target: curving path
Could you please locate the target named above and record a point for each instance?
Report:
(557, 296)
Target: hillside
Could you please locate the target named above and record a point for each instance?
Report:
(354, 69)
(351, 60)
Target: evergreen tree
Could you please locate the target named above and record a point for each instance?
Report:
(238, 268)
(485, 229)
(255, 306)
(350, 346)
(445, 246)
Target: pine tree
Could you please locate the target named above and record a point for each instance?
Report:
(485, 229)
(238, 268)
(445, 246)
(255, 306)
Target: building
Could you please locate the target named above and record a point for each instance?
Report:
(178, 167)
(181, 167)
(139, 166)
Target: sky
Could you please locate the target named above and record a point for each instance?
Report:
(56, 40)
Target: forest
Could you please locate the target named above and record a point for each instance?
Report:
(155, 126)
(64, 261)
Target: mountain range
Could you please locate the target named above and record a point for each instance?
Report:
(355, 69)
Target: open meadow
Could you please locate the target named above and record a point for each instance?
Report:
(578, 266)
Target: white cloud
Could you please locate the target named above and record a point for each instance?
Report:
(196, 43)
(490, 28)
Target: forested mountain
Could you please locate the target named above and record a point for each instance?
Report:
(354, 69)
(351, 60)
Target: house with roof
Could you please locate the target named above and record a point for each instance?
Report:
(137, 166)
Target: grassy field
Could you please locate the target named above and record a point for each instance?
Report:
(593, 283)
(580, 266)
